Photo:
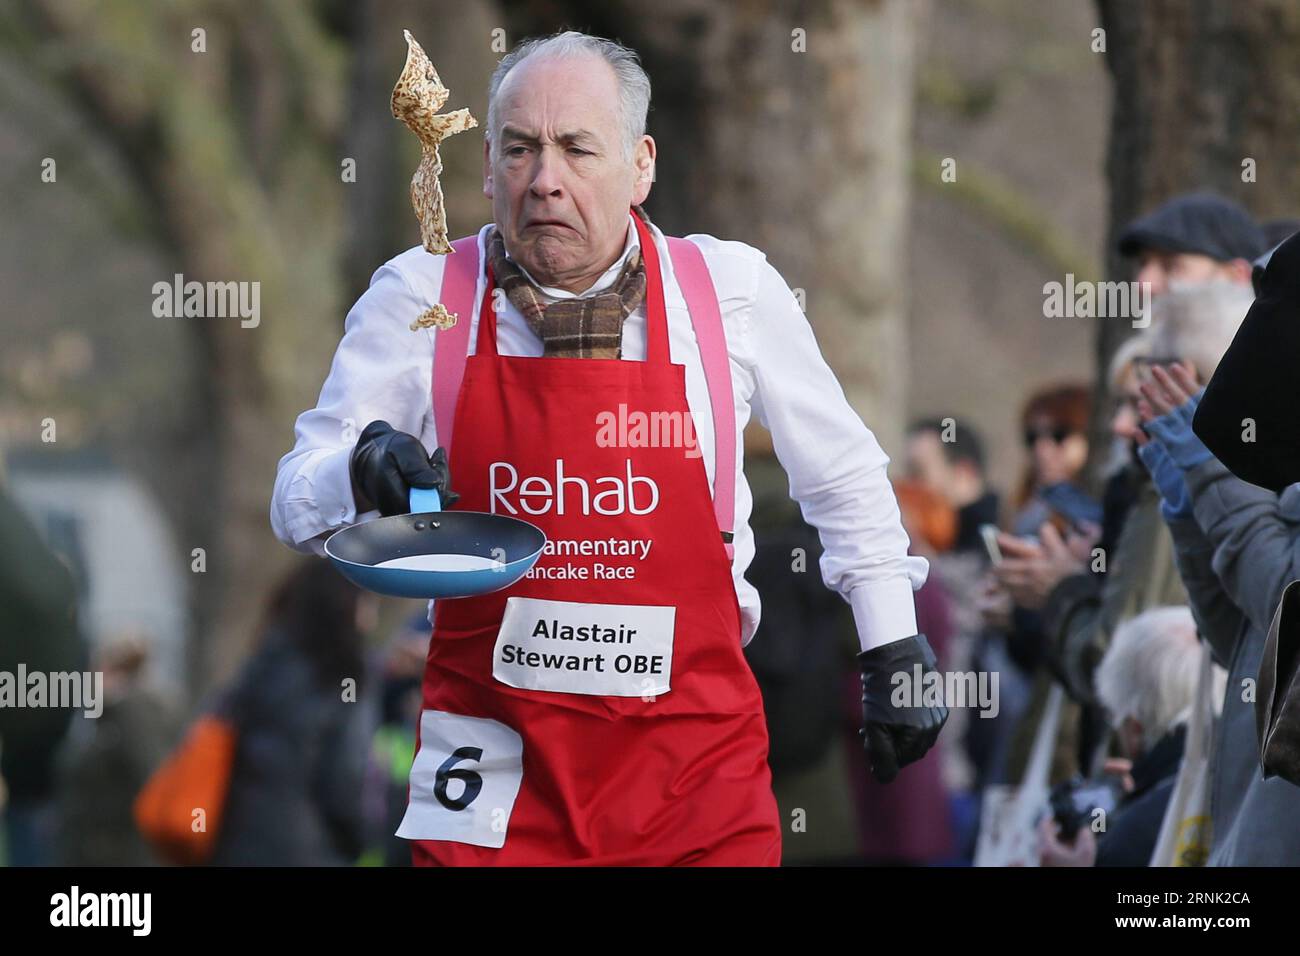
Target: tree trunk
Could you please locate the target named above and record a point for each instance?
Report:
(236, 151)
(1199, 88)
(233, 151)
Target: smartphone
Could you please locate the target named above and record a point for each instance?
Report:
(989, 532)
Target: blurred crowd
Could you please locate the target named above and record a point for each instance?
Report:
(320, 717)
(1121, 594)
(1108, 609)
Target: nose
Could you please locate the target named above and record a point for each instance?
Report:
(546, 176)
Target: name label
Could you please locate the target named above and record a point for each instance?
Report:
(604, 650)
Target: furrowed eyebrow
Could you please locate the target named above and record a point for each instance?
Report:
(516, 134)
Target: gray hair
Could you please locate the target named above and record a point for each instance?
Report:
(1150, 670)
(1198, 323)
(633, 83)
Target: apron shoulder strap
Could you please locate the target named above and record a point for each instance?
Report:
(702, 302)
(451, 346)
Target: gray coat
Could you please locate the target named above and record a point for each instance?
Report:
(1235, 556)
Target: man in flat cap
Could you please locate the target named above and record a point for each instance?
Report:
(1193, 238)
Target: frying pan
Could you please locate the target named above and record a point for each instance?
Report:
(511, 546)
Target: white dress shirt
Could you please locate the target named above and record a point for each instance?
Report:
(383, 370)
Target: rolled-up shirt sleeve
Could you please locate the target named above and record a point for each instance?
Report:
(837, 469)
(381, 370)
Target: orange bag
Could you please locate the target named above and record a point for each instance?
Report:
(179, 809)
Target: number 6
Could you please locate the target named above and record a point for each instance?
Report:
(473, 781)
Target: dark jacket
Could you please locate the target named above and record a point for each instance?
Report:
(983, 510)
(1080, 617)
(295, 789)
(38, 628)
(1131, 837)
(1083, 611)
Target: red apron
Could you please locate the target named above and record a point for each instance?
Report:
(600, 711)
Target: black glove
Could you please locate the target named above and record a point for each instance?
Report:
(386, 464)
(896, 736)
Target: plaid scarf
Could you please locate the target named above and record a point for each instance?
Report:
(589, 327)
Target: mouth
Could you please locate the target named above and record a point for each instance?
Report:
(540, 223)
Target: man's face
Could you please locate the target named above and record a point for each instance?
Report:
(1166, 269)
(559, 182)
(927, 464)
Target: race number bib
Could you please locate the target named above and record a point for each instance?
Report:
(464, 780)
(606, 650)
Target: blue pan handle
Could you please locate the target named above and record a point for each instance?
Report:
(424, 500)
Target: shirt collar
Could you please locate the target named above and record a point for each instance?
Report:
(607, 278)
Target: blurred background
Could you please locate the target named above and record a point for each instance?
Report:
(919, 169)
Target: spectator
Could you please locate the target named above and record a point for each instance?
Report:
(1147, 684)
(947, 456)
(392, 749)
(1053, 530)
(295, 788)
(38, 628)
(1082, 609)
(1083, 601)
(1237, 547)
(111, 758)
(1055, 426)
(1192, 240)
(1248, 418)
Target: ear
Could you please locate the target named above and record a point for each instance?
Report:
(487, 168)
(643, 158)
(1239, 270)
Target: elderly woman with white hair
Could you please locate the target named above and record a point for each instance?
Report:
(1147, 683)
